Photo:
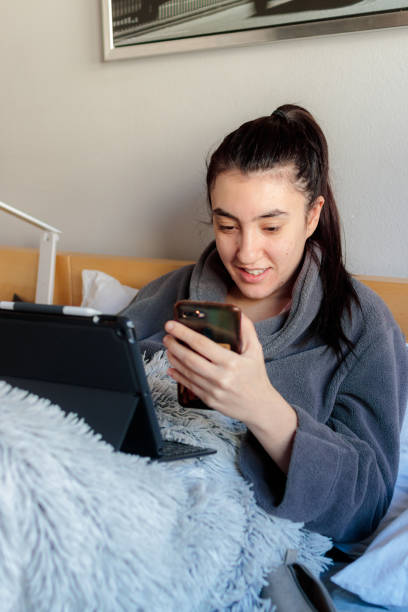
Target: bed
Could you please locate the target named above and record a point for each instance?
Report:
(18, 273)
(380, 572)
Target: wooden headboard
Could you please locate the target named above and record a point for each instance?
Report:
(18, 274)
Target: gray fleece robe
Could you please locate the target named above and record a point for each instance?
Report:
(346, 448)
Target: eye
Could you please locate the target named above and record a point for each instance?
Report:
(225, 228)
(272, 229)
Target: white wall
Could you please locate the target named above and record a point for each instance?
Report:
(113, 153)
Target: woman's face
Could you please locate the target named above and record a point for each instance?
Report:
(261, 227)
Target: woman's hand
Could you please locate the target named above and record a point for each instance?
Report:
(236, 385)
(222, 379)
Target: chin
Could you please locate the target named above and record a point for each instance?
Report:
(256, 293)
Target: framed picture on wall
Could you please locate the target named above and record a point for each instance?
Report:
(137, 28)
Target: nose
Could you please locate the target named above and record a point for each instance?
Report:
(248, 246)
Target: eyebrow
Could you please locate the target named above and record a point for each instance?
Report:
(276, 212)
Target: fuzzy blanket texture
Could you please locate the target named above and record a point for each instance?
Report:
(85, 528)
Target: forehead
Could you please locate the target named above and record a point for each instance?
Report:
(249, 195)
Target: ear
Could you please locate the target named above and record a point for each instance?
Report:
(313, 215)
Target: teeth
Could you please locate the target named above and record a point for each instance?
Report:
(255, 272)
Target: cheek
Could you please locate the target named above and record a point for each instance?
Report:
(295, 243)
(289, 250)
(283, 248)
(225, 246)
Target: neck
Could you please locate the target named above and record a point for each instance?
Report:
(259, 310)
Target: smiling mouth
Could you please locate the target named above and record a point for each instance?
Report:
(252, 275)
(255, 272)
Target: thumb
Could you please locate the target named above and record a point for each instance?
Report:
(248, 333)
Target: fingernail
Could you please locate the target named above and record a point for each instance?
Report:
(169, 325)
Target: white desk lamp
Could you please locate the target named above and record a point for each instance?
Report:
(48, 249)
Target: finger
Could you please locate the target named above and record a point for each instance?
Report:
(192, 366)
(197, 342)
(186, 382)
(248, 333)
(184, 352)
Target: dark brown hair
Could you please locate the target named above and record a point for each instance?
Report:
(291, 136)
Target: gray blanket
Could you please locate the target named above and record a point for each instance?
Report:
(84, 528)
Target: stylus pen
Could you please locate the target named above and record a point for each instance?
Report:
(49, 309)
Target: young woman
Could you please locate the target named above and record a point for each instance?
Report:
(322, 380)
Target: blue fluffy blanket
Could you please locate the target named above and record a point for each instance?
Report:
(85, 528)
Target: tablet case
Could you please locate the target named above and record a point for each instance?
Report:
(89, 365)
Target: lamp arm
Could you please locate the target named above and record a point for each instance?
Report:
(48, 251)
(28, 218)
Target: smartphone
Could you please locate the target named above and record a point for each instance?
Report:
(218, 321)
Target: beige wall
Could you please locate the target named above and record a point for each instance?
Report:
(113, 153)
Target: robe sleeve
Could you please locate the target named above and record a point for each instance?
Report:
(342, 472)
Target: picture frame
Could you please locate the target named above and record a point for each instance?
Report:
(142, 28)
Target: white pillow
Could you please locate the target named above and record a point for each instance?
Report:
(380, 575)
(105, 293)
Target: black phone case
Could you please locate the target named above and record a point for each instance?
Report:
(219, 322)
